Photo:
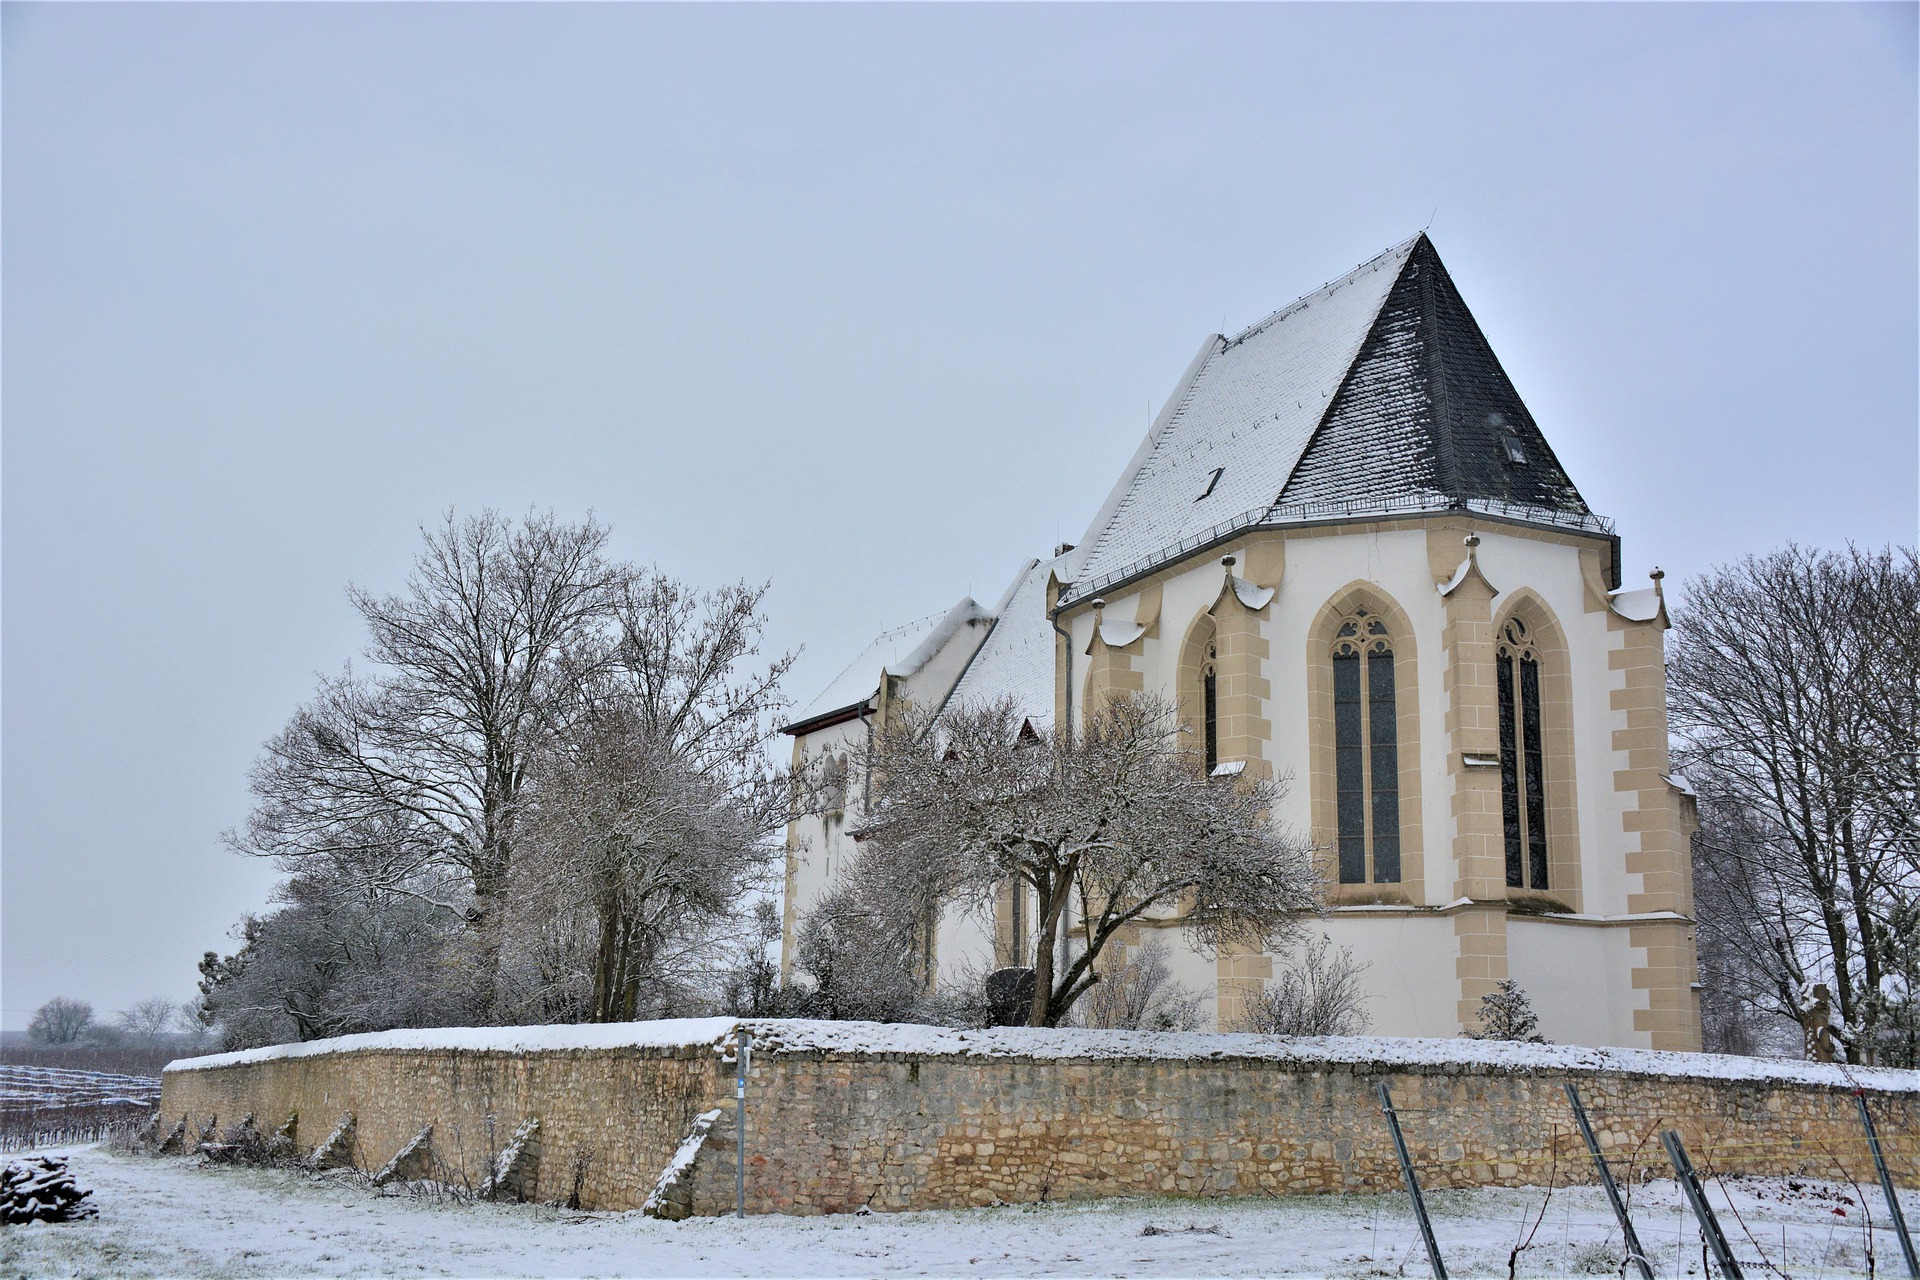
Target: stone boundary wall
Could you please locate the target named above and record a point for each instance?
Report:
(843, 1116)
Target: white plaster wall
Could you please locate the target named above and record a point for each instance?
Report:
(963, 942)
(1579, 979)
(1409, 980)
(821, 845)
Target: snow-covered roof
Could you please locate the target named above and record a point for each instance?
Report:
(1357, 1053)
(1016, 660)
(900, 652)
(1375, 393)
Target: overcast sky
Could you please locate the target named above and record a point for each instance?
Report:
(870, 302)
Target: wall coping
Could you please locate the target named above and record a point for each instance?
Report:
(789, 1037)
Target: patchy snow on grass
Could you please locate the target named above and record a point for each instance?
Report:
(180, 1216)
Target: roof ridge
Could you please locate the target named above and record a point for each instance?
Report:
(1254, 329)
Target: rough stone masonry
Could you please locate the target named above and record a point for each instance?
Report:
(844, 1116)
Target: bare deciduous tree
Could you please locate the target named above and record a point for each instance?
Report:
(1105, 825)
(648, 815)
(146, 1021)
(422, 765)
(1317, 992)
(60, 1021)
(1794, 683)
(1140, 995)
(857, 950)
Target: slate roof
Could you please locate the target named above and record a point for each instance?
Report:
(1016, 659)
(1375, 393)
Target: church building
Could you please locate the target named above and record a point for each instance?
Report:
(1348, 556)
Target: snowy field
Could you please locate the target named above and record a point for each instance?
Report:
(47, 1088)
(181, 1217)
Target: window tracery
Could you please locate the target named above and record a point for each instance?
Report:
(1523, 790)
(1366, 750)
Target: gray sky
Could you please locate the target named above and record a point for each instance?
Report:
(871, 302)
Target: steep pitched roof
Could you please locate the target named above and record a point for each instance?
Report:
(1376, 392)
(900, 652)
(1016, 659)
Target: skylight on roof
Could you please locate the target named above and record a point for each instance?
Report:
(1516, 452)
(1213, 478)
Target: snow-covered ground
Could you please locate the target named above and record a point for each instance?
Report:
(179, 1216)
(49, 1087)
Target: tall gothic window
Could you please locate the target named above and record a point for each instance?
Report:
(1210, 708)
(1366, 751)
(1523, 788)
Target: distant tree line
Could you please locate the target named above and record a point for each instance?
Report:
(64, 1022)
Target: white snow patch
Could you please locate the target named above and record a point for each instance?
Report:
(866, 1039)
(1253, 597)
(181, 1217)
(1636, 606)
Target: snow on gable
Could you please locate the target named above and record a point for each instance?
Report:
(902, 651)
(1016, 661)
(1247, 412)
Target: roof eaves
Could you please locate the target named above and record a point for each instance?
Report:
(827, 719)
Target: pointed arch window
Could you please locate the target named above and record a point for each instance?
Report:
(1366, 747)
(1523, 787)
(1210, 707)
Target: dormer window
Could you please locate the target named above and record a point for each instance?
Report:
(1213, 478)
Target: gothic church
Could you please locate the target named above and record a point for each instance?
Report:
(1348, 555)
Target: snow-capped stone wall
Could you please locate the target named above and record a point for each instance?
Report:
(842, 1116)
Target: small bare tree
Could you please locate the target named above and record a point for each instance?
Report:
(1140, 995)
(60, 1021)
(146, 1021)
(1317, 992)
(1105, 824)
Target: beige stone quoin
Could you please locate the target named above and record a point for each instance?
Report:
(844, 1116)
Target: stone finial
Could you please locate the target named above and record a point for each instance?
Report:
(1229, 561)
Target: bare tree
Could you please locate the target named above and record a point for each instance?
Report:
(60, 1021)
(422, 765)
(146, 1021)
(1794, 682)
(1317, 992)
(649, 814)
(1106, 825)
(857, 950)
(643, 848)
(1140, 995)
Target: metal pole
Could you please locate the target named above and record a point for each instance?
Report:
(1886, 1184)
(1634, 1250)
(1413, 1184)
(742, 1047)
(1690, 1187)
